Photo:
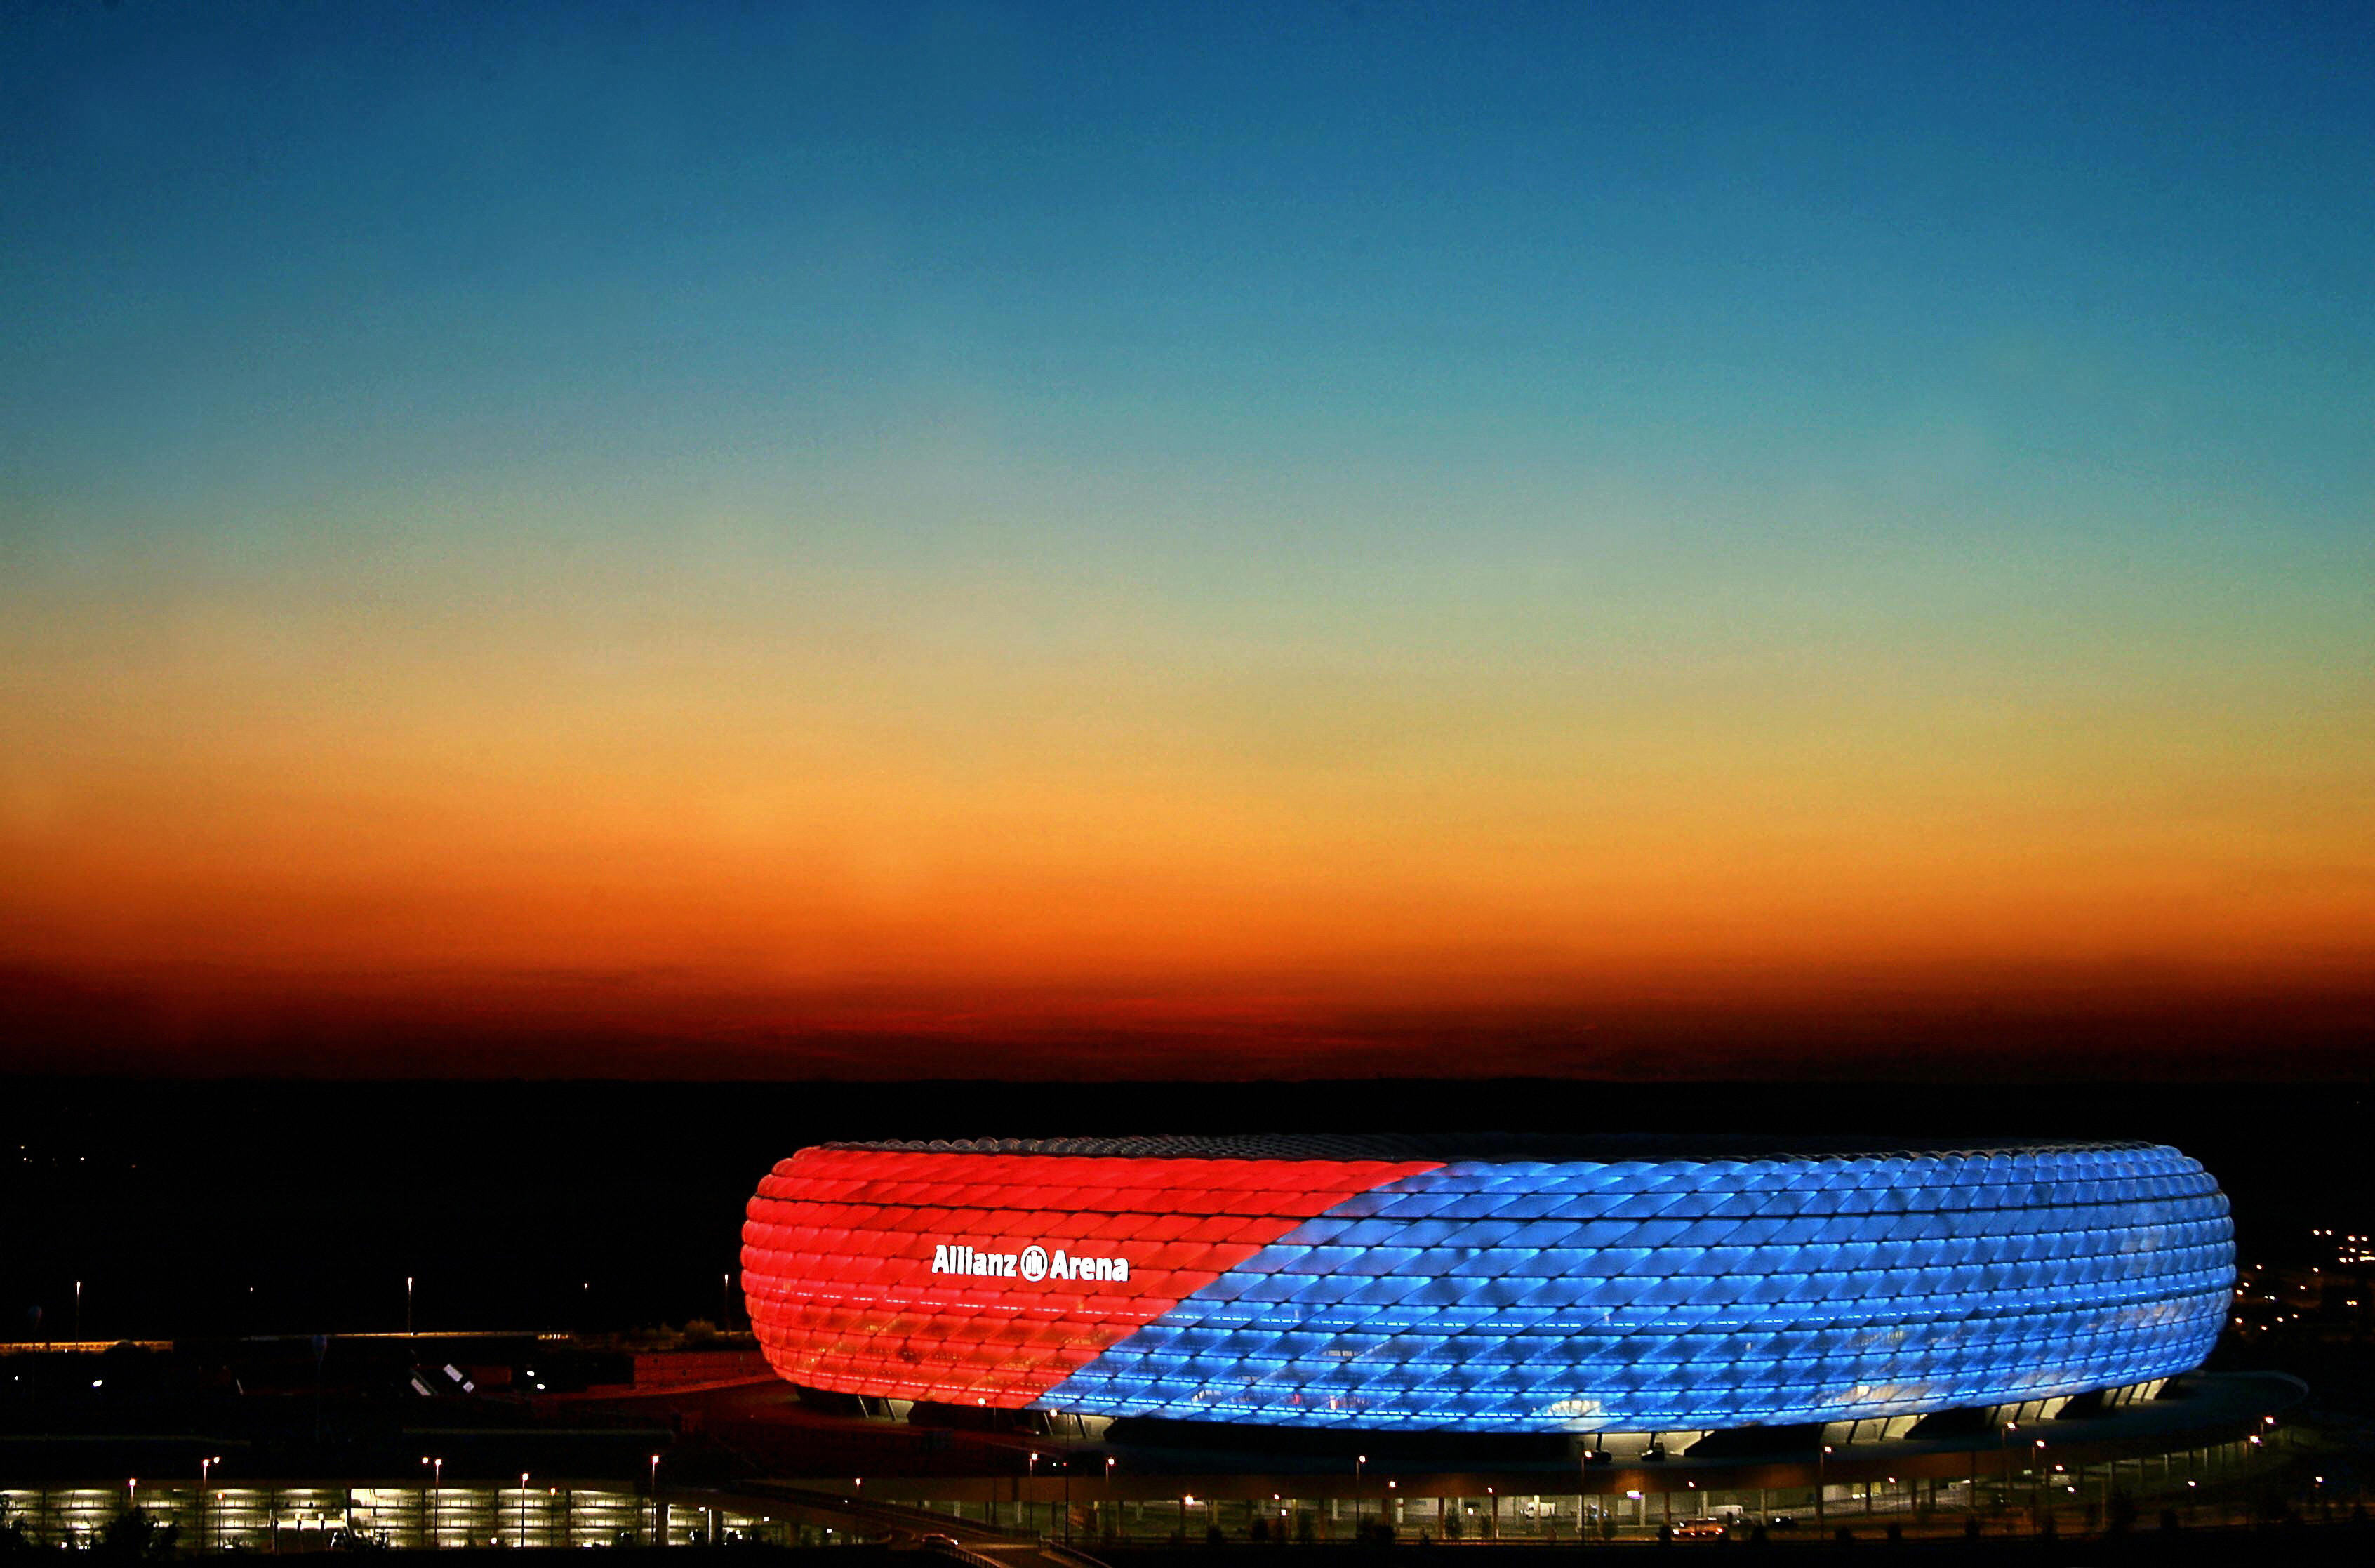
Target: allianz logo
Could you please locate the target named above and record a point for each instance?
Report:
(1031, 1263)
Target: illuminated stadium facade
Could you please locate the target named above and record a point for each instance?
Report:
(1494, 1285)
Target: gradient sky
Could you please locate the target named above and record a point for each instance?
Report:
(1134, 539)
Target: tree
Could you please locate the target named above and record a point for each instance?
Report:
(135, 1534)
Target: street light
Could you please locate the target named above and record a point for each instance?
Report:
(432, 1506)
(1820, 1486)
(408, 1305)
(523, 1514)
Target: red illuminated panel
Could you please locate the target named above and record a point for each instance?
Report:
(850, 1288)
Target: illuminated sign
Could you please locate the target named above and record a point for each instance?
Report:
(1031, 1263)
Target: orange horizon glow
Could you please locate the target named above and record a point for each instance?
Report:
(230, 820)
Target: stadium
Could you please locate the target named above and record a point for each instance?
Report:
(1657, 1289)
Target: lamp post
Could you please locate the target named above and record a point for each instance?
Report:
(205, 1467)
(2037, 1484)
(430, 1503)
(408, 1305)
(1819, 1485)
(1360, 1464)
(523, 1513)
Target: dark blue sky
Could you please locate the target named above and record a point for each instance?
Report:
(415, 234)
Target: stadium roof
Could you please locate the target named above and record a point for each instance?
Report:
(1514, 1147)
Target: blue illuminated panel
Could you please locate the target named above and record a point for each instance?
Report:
(1691, 1294)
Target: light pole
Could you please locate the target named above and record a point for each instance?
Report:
(435, 1499)
(1360, 1464)
(408, 1305)
(78, 1323)
(2037, 1484)
(1819, 1487)
(523, 1513)
(205, 1467)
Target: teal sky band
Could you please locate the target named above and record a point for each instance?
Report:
(1517, 1296)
